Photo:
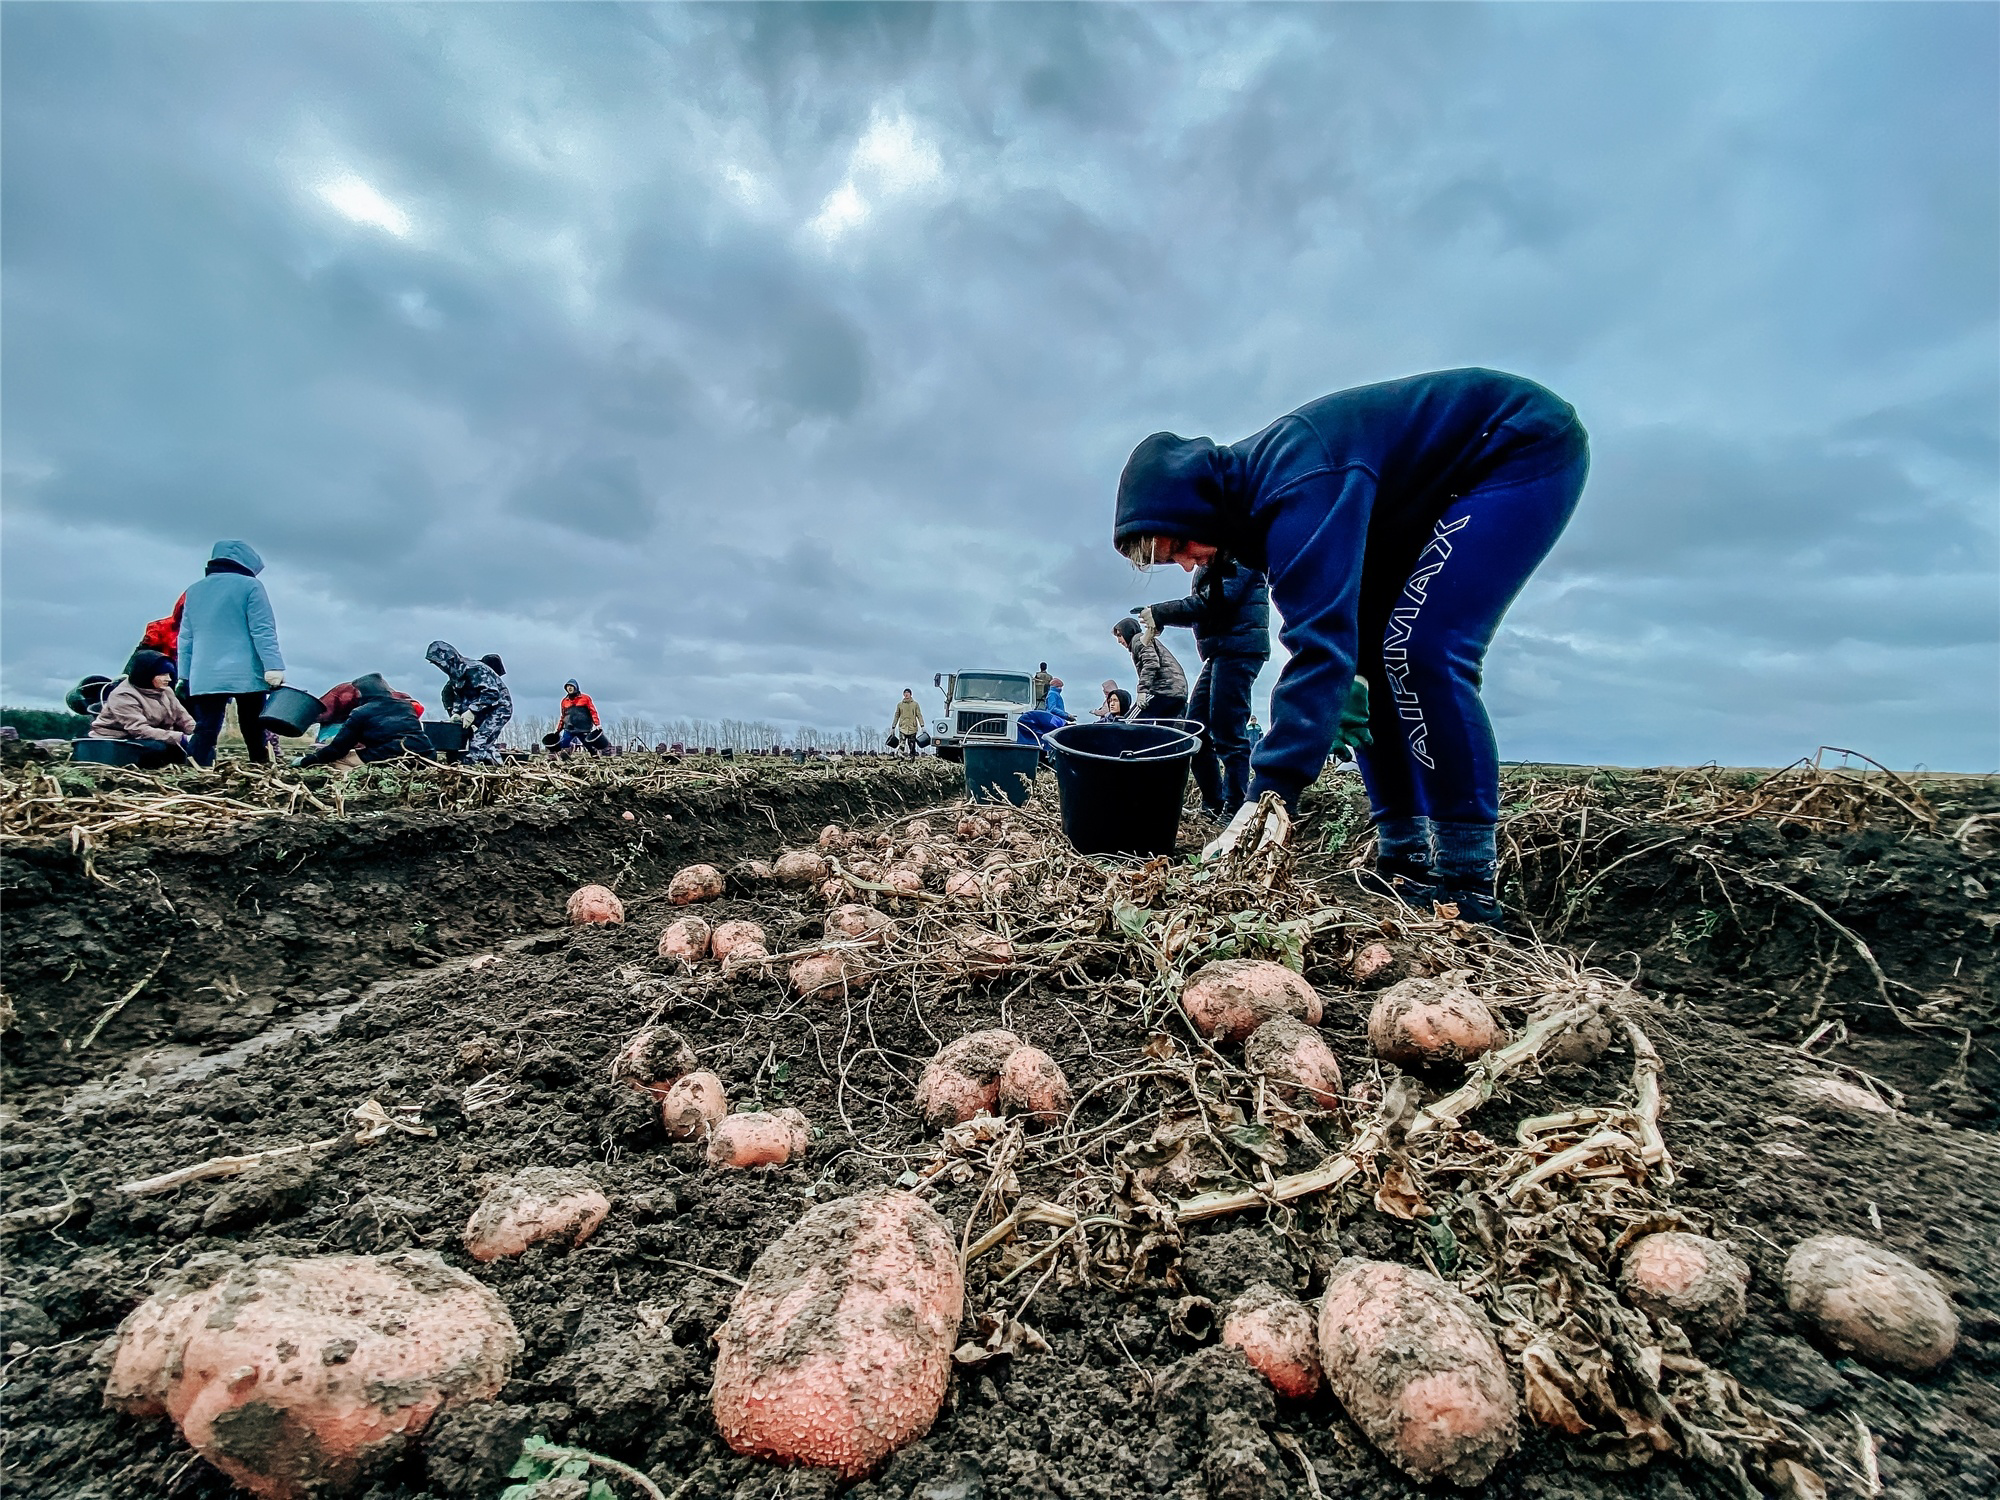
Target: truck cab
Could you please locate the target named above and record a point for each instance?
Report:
(982, 705)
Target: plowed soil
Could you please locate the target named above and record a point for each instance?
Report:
(277, 932)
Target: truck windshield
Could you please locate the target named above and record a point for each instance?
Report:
(992, 687)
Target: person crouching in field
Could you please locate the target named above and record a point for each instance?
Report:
(1396, 523)
(476, 697)
(380, 725)
(141, 708)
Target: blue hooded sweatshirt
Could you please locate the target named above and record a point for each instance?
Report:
(229, 637)
(1333, 503)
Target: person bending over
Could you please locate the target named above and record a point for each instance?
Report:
(379, 725)
(141, 708)
(1229, 609)
(476, 697)
(1162, 686)
(1396, 523)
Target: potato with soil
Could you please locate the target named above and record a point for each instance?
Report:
(1296, 1058)
(837, 1350)
(833, 839)
(963, 1080)
(686, 940)
(800, 867)
(852, 923)
(1690, 1279)
(1424, 1022)
(1872, 1302)
(693, 1105)
(758, 1139)
(1416, 1366)
(302, 1377)
(538, 1204)
(1229, 999)
(1032, 1085)
(740, 946)
(695, 883)
(828, 973)
(653, 1059)
(595, 905)
(1275, 1332)
(749, 876)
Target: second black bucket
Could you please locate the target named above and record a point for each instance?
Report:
(993, 772)
(291, 711)
(1122, 784)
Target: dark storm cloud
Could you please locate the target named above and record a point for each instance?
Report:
(764, 360)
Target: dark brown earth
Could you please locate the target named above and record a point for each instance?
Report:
(617, 1358)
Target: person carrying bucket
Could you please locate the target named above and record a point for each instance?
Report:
(1229, 609)
(476, 697)
(1396, 523)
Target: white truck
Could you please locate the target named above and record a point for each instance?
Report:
(980, 706)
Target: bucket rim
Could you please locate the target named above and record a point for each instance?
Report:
(1186, 744)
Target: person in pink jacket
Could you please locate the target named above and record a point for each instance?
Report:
(142, 708)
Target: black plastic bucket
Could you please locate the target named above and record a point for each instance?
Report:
(290, 711)
(105, 752)
(447, 735)
(996, 772)
(1122, 784)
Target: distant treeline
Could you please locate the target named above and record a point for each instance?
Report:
(45, 723)
(526, 730)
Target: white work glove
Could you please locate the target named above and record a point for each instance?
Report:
(467, 720)
(1145, 618)
(1277, 829)
(274, 679)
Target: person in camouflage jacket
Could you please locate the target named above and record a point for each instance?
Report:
(476, 697)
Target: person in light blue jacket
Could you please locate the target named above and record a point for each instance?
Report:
(229, 651)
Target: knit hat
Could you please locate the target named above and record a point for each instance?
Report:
(146, 665)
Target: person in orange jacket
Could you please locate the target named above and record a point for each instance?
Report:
(576, 697)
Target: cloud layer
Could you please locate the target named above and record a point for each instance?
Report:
(762, 361)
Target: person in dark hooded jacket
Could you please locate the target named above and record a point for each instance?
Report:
(1396, 523)
(1229, 609)
(380, 726)
(476, 697)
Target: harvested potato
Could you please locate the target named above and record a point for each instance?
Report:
(750, 875)
(833, 838)
(760, 1138)
(1230, 999)
(693, 1105)
(302, 1377)
(822, 973)
(1871, 1301)
(963, 1080)
(865, 869)
(1275, 1332)
(695, 883)
(859, 923)
(982, 951)
(653, 1059)
(1415, 1364)
(917, 830)
(1032, 1084)
(838, 1349)
(1294, 1056)
(1370, 961)
(971, 828)
(903, 881)
(799, 867)
(832, 891)
(1419, 1022)
(962, 885)
(917, 857)
(1582, 1045)
(731, 937)
(1689, 1278)
(540, 1203)
(595, 904)
(686, 939)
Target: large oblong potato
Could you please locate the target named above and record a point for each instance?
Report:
(1229, 999)
(1697, 1282)
(1862, 1297)
(1416, 1365)
(1293, 1056)
(838, 1349)
(963, 1080)
(1418, 1022)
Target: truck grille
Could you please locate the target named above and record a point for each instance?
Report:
(983, 722)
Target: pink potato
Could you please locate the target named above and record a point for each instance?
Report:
(833, 838)
(1275, 1332)
(686, 940)
(595, 904)
(832, 890)
(963, 1080)
(653, 1059)
(1370, 961)
(824, 973)
(983, 951)
(903, 881)
(1415, 1364)
(1294, 1056)
(838, 1349)
(971, 828)
(693, 1105)
(301, 1378)
(1689, 1278)
(750, 875)
(962, 885)
(541, 1203)
(1418, 1022)
(695, 883)
(1032, 1084)
(799, 867)
(1230, 999)
(731, 936)
(853, 923)
(917, 830)
(758, 1139)
(1872, 1301)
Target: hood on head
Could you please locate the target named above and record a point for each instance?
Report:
(373, 685)
(1173, 486)
(146, 665)
(572, 686)
(241, 553)
(492, 659)
(1126, 629)
(445, 657)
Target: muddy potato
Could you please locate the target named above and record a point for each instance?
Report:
(971, 828)
(1415, 1364)
(853, 923)
(833, 838)
(799, 867)
(748, 876)
(595, 904)
(731, 937)
(824, 973)
(693, 1105)
(540, 1203)
(695, 883)
(1032, 1084)
(653, 1059)
(302, 1377)
(982, 951)
(760, 1138)
(963, 1080)
(1420, 1022)
(903, 881)
(917, 830)
(837, 1351)
(1689, 1278)
(1581, 1045)
(832, 891)
(1230, 999)
(1294, 1056)
(686, 939)
(1370, 961)
(1275, 1332)
(962, 885)
(1869, 1300)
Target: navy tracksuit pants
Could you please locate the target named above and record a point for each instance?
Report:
(1220, 703)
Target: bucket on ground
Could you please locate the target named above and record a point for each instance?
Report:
(994, 772)
(105, 752)
(446, 734)
(290, 711)
(1122, 784)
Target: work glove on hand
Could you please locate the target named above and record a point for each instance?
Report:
(274, 679)
(467, 719)
(1354, 730)
(1277, 828)
(1145, 618)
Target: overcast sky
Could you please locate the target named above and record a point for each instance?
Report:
(762, 362)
